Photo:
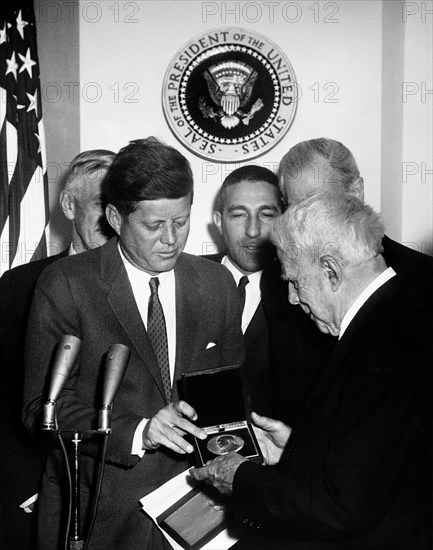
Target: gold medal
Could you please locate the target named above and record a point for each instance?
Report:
(225, 443)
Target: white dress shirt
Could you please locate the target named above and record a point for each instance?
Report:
(252, 291)
(167, 296)
(364, 296)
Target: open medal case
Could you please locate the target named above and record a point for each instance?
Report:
(217, 396)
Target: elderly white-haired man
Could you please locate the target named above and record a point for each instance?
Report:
(312, 166)
(324, 164)
(354, 473)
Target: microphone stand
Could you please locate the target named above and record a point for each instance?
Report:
(115, 366)
(75, 540)
(74, 537)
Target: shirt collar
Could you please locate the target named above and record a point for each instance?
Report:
(254, 278)
(379, 281)
(136, 274)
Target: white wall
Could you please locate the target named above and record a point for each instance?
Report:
(417, 94)
(125, 47)
(407, 114)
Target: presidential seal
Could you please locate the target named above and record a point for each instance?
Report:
(229, 95)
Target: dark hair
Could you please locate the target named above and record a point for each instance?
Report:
(251, 173)
(146, 169)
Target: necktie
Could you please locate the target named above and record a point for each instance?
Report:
(243, 281)
(157, 332)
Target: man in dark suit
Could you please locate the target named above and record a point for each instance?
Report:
(355, 471)
(246, 207)
(22, 465)
(308, 167)
(175, 312)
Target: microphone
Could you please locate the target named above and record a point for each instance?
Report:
(115, 367)
(66, 355)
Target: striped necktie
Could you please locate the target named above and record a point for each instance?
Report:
(157, 332)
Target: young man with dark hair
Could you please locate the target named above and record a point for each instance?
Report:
(175, 312)
(246, 207)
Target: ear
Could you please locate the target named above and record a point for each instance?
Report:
(357, 188)
(114, 218)
(218, 221)
(332, 271)
(67, 204)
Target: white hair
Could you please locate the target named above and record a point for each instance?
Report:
(343, 170)
(328, 223)
(86, 169)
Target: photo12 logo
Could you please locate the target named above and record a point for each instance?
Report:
(229, 95)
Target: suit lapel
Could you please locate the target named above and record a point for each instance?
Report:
(188, 307)
(122, 302)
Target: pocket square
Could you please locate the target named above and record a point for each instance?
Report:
(210, 345)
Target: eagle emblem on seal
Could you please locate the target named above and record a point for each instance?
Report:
(230, 85)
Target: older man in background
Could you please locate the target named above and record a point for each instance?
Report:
(355, 471)
(22, 465)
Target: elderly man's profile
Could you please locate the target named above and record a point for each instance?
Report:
(224, 444)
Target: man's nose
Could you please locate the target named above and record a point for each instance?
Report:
(293, 295)
(168, 234)
(253, 227)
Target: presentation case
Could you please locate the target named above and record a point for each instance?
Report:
(217, 395)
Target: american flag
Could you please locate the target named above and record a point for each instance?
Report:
(24, 209)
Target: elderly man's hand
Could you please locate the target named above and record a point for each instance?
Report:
(272, 436)
(168, 427)
(219, 472)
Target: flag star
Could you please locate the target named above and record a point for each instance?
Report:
(12, 65)
(3, 34)
(21, 24)
(27, 63)
(33, 102)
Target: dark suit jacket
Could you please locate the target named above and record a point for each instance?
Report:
(411, 264)
(257, 347)
(355, 474)
(299, 350)
(22, 465)
(90, 296)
